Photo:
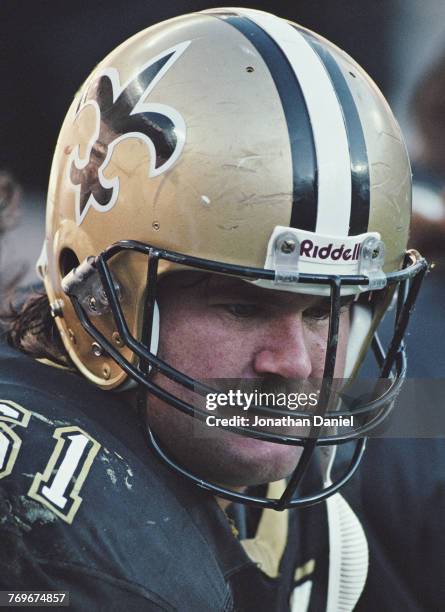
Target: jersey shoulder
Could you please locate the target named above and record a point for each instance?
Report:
(80, 493)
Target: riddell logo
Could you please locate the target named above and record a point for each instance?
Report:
(308, 249)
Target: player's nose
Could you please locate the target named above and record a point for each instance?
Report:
(284, 350)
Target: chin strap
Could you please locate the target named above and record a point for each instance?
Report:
(130, 383)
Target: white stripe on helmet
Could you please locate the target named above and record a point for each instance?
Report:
(330, 137)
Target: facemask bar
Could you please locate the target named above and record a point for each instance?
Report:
(140, 349)
(416, 269)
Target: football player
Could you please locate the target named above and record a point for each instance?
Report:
(229, 199)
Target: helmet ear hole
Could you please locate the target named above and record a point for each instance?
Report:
(68, 261)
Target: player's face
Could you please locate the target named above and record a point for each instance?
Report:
(216, 327)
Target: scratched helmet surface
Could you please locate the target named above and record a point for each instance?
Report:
(231, 136)
(204, 133)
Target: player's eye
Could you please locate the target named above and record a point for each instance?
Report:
(242, 310)
(321, 311)
(318, 313)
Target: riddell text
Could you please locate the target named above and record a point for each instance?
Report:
(308, 249)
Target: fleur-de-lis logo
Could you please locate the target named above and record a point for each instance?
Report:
(122, 112)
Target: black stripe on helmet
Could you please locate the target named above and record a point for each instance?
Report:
(360, 195)
(301, 139)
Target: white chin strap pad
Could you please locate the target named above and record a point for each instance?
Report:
(154, 345)
(360, 326)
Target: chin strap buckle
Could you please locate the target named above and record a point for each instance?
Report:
(371, 260)
(284, 258)
(84, 283)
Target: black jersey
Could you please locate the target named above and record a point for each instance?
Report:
(85, 507)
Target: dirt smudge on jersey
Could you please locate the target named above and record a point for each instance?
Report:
(112, 475)
(55, 422)
(35, 513)
(24, 514)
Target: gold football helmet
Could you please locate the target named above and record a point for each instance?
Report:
(234, 142)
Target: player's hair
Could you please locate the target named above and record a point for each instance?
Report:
(31, 329)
